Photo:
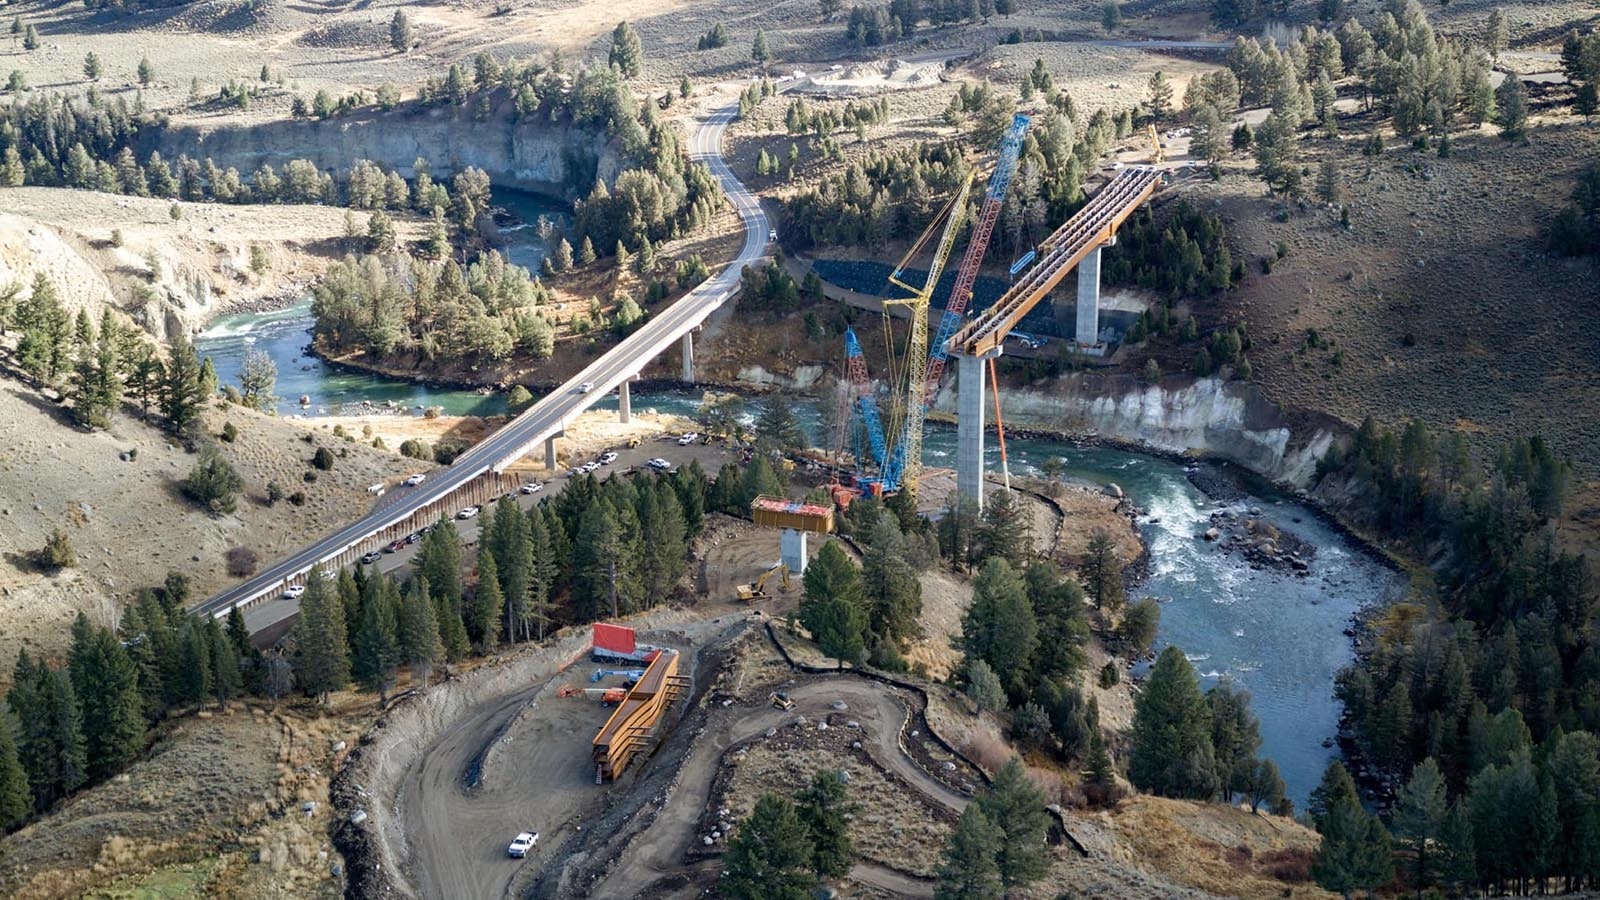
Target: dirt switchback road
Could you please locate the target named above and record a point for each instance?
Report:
(658, 851)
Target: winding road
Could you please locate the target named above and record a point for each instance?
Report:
(546, 418)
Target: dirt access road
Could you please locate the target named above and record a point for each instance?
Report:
(520, 762)
(658, 852)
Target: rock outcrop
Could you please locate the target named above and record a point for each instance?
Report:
(1227, 419)
(532, 156)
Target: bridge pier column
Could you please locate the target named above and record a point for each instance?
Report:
(792, 549)
(688, 358)
(1088, 331)
(550, 451)
(970, 395)
(624, 403)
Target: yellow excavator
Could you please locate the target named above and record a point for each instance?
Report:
(757, 590)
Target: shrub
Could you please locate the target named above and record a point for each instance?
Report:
(298, 498)
(242, 562)
(274, 493)
(57, 552)
(1110, 675)
(431, 412)
(323, 459)
(213, 483)
(230, 433)
(310, 477)
(415, 449)
(445, 454)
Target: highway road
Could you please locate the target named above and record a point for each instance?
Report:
(549, 416)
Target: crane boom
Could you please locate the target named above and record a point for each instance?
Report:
(905, 458)
(863, 401)
(967, 275)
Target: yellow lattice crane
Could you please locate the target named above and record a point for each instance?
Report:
(909, 408)
(1155, 146)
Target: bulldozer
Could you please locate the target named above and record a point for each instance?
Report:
(757, 590)
(780, 700)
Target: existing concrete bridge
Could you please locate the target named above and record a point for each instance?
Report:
(479, 473)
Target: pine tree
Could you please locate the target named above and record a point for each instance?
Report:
(1497, 34)
(1017, 808)
(194, 685)
(249, 657)
(439, 561)
(50, 741)
(377, 645)
(833, 607)
(1172, 751)
(663, 556)
(400, 32)
(586, 256)
(758, 48)
(893, 593)
(1267, 787)
(226, 679)
(1336, 788)
(970, 870)
(420, 645)
(770, 855)
(16, 803)
(1000, 627)
(1235, 737)
(544, 570)
(1511, 102)
(627, 53)
(1419, 820)
(183, 390)
(825, 812)
(1354, 855)
(489, 602)
(322, 655)
(1160, 96)
(92, 67)
(1006, 530)
(452, 630)
(1102, 575)
(778, 428)
(43, 348)
(513, 551)
(107, 685)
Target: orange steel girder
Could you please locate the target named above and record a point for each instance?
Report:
(1093, 226)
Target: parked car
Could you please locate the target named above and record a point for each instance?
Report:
(413, 537)
(607, 458)
(522, 843)
(394, 546)
(416, 479)
(533, 487)
(659, 463)
(589, 467)
(687, 439)
(586, 387)
(293, 591)
(372, 557)
(469, 512)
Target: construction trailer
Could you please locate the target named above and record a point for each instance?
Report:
(627, 732)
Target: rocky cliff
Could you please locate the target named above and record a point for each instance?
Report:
(1226, 419)
(532, 156)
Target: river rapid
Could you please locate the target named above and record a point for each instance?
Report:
(1278, 634)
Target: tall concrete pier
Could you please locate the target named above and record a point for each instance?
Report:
(971, 399)
(1088, 333)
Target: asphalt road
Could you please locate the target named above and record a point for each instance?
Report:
(548, 416)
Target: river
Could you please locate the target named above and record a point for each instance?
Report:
(1278, 635)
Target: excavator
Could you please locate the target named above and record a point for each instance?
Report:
(1156, 153)
(757, 590)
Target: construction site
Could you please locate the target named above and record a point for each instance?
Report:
(631, 750)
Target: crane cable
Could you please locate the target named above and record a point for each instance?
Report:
(999, 425)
